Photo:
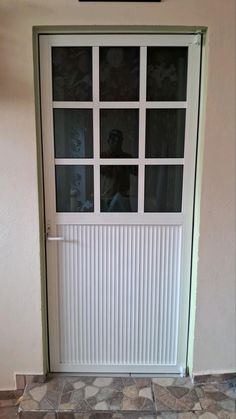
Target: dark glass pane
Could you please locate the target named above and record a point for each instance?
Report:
(119, 188)
(163, 188)
(73, 133)
(119, 133)
(119, 73)
(72, 73)
(165, 131)
(167, 73)
(74, 188)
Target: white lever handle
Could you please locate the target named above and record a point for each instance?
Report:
(55, 239)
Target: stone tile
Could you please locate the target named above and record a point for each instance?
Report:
(219, 399)
(104, 415)
(37, 415)
(193, 415)
(9, 413)
(210, 378)
(10, 394)
(163, 415)
(107, 394)
(177, 381)
(20, 381)
(31, 379)
(128, 398)
(43, 397)
(177, 394)
(8, 403)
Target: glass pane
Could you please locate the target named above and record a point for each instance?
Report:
(119, 73)
(74, 188)
(167, 73)
(119, 133)
(165, 130)
(163, 188)
(73, 133)
(119, 188)
(72, 73)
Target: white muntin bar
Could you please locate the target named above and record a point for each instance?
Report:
(142, 127)
(119, 105)
(125, 162)
(96, 130)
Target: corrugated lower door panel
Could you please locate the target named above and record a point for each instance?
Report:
(119, 294)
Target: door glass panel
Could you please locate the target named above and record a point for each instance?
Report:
(167, 73)
(119, 188)
(119, 133)
(119, 73)
(73, 133)
(74, 188)
(165, 131)
(163, 188)
(72, 73)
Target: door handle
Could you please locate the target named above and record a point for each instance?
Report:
(55, 238)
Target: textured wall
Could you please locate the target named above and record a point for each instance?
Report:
(20, 306)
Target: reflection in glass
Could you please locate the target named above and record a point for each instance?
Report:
(165, 131)
(72, 73)
(73, 133)
(119, 188)
(119, 133)
(167, 73)
(119, 73)
(163, 188)
(74, 188)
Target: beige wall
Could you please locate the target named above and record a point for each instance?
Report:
(20, 306)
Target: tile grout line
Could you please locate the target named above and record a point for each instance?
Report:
(153, 396)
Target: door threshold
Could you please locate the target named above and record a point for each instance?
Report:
(104, 374)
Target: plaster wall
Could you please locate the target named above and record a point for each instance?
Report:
(213, 343)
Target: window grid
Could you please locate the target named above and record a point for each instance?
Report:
(95, 104)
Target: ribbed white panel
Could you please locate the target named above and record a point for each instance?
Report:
(119, 294)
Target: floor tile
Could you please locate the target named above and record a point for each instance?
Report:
(175, 394)
(9, 413)
(104, 415)
(43, 397)
(195, 415)
(37, 415)
(77, 397)
(176, 381)
(8, 403)
(10, 394)
(107, 394)
(220, 399)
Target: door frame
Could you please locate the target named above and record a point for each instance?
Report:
(37, 31)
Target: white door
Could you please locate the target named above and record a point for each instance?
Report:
(119, 123)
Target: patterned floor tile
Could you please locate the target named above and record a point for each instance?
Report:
(194, 415)
(123, 398)
(43, 397)
(9, 413)
(10, 394)
(220, 399)
(7, 403)
(175, 394)
(37, 415)
(107, 394)
(104, 415)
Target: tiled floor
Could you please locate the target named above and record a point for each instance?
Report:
(9, 404)
(124, 398)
